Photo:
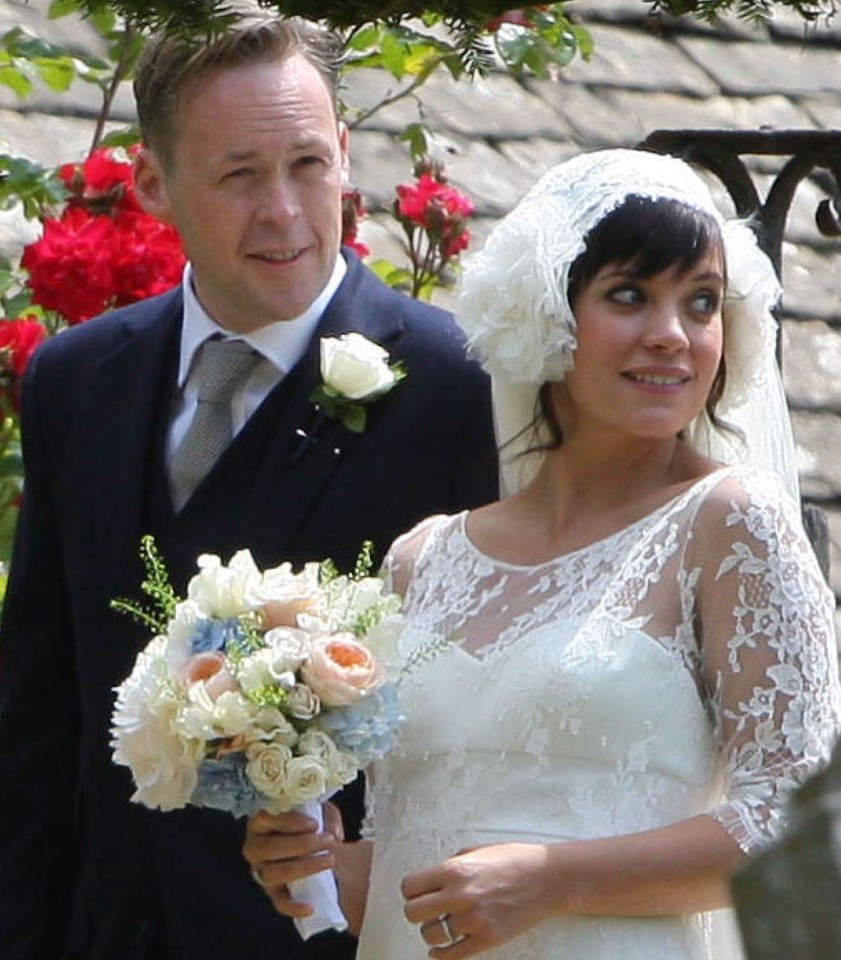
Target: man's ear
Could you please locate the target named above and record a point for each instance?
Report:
(150, 185)
(344, 146)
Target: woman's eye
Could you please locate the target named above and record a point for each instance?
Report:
(625, 295)
(706, 302)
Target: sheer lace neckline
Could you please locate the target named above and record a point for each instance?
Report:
(675, 501)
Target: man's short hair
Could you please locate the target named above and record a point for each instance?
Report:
(172, 63)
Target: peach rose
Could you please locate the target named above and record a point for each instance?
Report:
(340, 670)
(284, 613)
(211, 669)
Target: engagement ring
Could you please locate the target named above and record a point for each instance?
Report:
(444, 920)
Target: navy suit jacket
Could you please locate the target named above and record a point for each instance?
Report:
(84, 872)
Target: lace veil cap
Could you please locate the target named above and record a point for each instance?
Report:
(513, 305)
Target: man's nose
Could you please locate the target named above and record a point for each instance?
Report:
(279, 201)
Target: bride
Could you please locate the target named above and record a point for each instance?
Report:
(617, 673)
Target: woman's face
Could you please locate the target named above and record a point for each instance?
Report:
(648, 349)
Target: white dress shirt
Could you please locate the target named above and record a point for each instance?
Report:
(281, 345)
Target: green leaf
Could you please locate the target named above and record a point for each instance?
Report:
(62, 8)
(365, 38)
(127, 137)
(397, 277)
(104, 21)
(354, 417)
(28, 183)
(394, 56)
(18, 305)
(15, 79)
(416, 135)
(56, 74)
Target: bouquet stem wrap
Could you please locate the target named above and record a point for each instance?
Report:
(319, 890)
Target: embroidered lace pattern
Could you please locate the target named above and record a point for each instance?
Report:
(685, 664)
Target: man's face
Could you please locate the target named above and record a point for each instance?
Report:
(254, 189)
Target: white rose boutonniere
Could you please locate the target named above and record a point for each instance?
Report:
(354, 372)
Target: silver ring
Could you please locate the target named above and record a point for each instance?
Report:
(444, 920)
(255, 876)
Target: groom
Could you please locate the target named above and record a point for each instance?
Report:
(244, 154)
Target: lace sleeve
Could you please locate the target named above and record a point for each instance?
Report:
(401, 556)
(768, 651)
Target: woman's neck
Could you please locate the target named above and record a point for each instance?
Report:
(582, 496)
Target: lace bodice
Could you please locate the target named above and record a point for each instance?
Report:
(682, 665)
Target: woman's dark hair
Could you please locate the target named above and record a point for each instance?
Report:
(646, 236)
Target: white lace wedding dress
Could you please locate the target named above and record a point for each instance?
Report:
(618, 688)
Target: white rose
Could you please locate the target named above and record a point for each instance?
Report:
(303, 703)
(222, 591)
(287, 649)
(266, 767)
(306, 779)
(266, 668)
(316, 743)
(342, 770)
(354, 367)
(209, 719)
(270, 724)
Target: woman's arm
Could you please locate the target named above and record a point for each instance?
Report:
(494, 893)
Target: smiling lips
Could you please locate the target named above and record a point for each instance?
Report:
(275, 257)
(659, 379)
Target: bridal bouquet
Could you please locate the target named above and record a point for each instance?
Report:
(262, 690)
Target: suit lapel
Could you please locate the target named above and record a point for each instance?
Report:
(129, 387)
(307, 447)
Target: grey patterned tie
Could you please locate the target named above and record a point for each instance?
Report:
(222, 367)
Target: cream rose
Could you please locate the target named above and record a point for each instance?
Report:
(267, 767)
(340, 670)
(354, 367)
(306, 779)
(303, 703)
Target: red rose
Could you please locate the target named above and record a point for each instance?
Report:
(352, 213)
(147, 256)
(104, 250)
(70, 268)
(439, 209)
(432, 204)
(18, 340)
(102, 183)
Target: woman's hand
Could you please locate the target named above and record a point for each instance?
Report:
(288, 846)
(487, 896)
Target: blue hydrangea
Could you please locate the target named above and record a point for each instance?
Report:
(367, 728)
(223, 785)
(211, 635)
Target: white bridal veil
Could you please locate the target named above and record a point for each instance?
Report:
(513, 306)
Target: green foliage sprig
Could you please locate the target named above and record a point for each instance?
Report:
(157, 587)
